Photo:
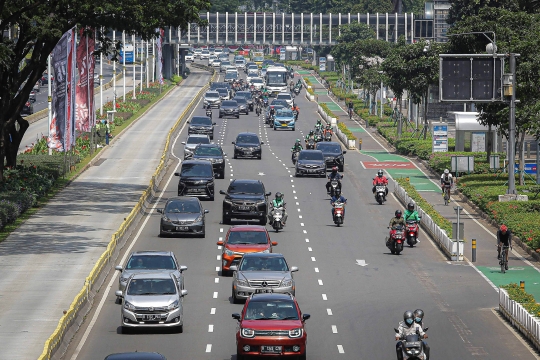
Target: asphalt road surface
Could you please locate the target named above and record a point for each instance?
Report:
(353, 308)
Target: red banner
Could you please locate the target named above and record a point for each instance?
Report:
(84, 93)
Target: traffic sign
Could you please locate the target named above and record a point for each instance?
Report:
(387, 164)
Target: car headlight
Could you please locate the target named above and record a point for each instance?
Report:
(173, 306)
(261, 202)
(227, 201)
(199, 218)
(266, 251)
(229, 252)
(211, 183)
(248, 333)
(296, 333)
(287, 283)
(165, 218)
(129, 306)
(241, 282)
(219, 161)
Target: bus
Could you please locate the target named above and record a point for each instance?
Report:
(129, 54)
(276, 79)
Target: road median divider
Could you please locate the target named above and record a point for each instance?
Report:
(73, 318)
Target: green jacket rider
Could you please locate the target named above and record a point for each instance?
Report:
(276, 203)
(411, 214)
(297, 146)
(311, 135)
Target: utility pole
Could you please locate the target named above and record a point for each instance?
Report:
(512, 128)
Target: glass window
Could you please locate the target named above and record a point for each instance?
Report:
(198, 170)
(263, 264)
(247, 139)
(247, 237)
(284, 112)
(229, 103)
(308, 155)
(331, 148)
(198, 140)
(271, 310)
(151, 287)
(182, 207)
(151, 262)
(207, 151)
(200, 120)
(212, 95)
(245, 188)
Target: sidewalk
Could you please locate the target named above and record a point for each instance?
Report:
(44, 263)
(521, 266)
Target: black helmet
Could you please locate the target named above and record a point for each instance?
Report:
(380, 173)
(334, 169)
(410, 207)
(408, 317)
(418, 316)
(398, 213)
(279, 195)
(310, 132)
(337, 192)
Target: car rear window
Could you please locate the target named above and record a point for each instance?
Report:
(309, 155)
(198, 140)
(245, 188)
(247, 238)
(197, 170)
(271, 310)
(151, 262)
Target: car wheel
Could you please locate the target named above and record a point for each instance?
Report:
(296, 174)
(225, 220)
(125, 330)
(293, 129)
(239, 356)
(181, 329)
(212, 198)
(220, 116)
(212, 136)
(275, 128)
(341, 168)
(238, 116)
(302, 357)
(224, 272)
(235, 156)
(222, 175)
(262, 220)
(203, 234)
(162, 234)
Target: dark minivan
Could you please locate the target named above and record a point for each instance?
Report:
(333, 154)
(201, 125)
(247, 145)
(245, 199)
(196, 179)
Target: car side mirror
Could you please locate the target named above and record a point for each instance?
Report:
(234, 142)
(220, 243)
(262, 142)
(119, 268)
(118, 293)
(274, 243)
(183, 268)
(294, 268)
(206, 211)
(160, 211)
(183, 293)
(183, 143)
(214, 123)
(236, 316)
(344, 151)
(305, 317)
(176, 174)
(268, 193)
(222, 192)
(233, 268)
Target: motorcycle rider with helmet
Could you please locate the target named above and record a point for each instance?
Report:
(338, 197)
(297, 109)
(334, 175)
(397, 220)
(318, 125)
(411, 214)
(296, 147)
(380, 180)
(277, 203)
(409, 327)
(311, 135)
(446, 179)
(209, 111)
(328, 129)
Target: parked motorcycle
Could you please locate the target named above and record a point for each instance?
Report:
(412, 232)
(339, 209)
(395, 241)
(413, 347)
(277, 224)
(310, 145)
(380, 194)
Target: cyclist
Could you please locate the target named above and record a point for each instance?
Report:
(446, 179)
(351, 108)
(504, 238)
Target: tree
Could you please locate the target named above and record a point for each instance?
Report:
(41, 23)
(223, 6)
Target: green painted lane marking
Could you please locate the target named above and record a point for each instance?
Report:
(356, 129)
(303, 72)
(513, 275)
(383, 156)
(321, 92)
(333, 106)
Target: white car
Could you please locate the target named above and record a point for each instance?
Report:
(231, 69)
(211, 59)
(216, 63)
(197, 53)
(285, 96)
(240, 64)
(190, 57)
(224, 65)
(258, 83)
(263, 72)
(251, 75)
(218, 51)
(205, 54)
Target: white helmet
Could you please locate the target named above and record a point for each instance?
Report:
(446, 171)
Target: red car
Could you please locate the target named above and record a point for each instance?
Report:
(271, 325)
(243, 239)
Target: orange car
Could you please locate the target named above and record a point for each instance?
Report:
(243, 239)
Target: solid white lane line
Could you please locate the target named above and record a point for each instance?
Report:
(320, 282)
(218, 257)
(340, 349)
(317, 270)
(313, 258)
(334, 329)
(215, 294)
(309, 249)
(216, 280)
(210, 328)
(213, 311)
(324, 297)
(217, 268)
(209, 348)
(329, 312)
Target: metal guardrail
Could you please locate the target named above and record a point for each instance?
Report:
(94, 281)
(514, 312)
(453, 249)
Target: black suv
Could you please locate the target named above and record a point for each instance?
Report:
(196, 179)
(247, 145)
(245, 199)
(333, 155)
(229, 108)
(243, 106)
(310, 162)
(214, 154)
(248, 96)
(201, 125)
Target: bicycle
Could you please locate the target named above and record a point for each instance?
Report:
(504, 262)
(446, 194)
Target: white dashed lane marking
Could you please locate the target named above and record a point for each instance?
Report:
(217, 267)
(208, 348)
(334, 329)
(216, 280)
(215, 294)
(324, 297)
(309, 249)
(218, 257)
(316, 270)
(210, 328)
(313, 258)
(340, 349)
(329, 312)
(320, 282)
(213, 311)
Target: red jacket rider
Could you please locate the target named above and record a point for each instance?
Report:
(380, 179)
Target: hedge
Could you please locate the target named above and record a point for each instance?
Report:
(328, 111)
(523, 298)
(345, 130)
(441, 221)
(310, 91)
(306, 79)
(441, 161)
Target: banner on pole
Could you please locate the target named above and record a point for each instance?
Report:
(159, 60)
(59, 65)
(70, 90)
(84, 93)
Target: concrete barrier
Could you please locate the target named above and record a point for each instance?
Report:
(520, 318)
(72, 319)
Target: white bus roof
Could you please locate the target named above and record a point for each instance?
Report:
(276, 68)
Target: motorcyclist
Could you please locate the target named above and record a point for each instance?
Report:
(419, 319)
(291, 85)
(328, 128)
(338, 198)
(299, 83)
(318, 125)
(334, 175)
(272, 111)
(380, 180)
(311, 135)
(297, 109)
(209, 110)
(446, 179)
(411, 214)
(405, 328)
(397, 220)
(277, 203)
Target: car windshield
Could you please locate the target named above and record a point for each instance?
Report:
(284, 97)
(279, 102)
(239, 62)
(284, 113)
(257, 81)
(258, 58)
(225, 63)
(261, 263)
(207, 151)
(271, 310)
(247, 139)
(212, 95)
(240, 99)
(245, 94)
(222, 91)
(151, 287)
(231, 75)
(245, 188)
(247, 237)
(177, 206)
(151, 262)
(198, 140)
(201, 120)
(309, 155)
(229, 103)
(201, 170)
(331, 148)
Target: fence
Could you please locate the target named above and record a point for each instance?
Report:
(514, 312)
(453, 249)
(81, 305)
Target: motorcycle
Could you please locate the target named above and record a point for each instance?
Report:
(270, 120)
(209, 113)
(412, 232)
(265, 102)
(276, 218)
(310, 144)
(380, 194)
(296, 90)
(295, 156)
(328, 136)
(334, 184)
(295, 113)
(412, 346)
(318, 135)
(395, 241)
(338, 213)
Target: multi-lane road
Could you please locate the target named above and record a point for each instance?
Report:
(353, 308)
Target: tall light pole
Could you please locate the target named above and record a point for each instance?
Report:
(124, 63)
(114, 74)
(134, 67)
(100, 82)
(49, 95)
(142, 62)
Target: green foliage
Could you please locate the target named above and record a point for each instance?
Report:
(441, 221)
(345, 130)
(525, 299)
(441, 161)
(306, 80)
(327, 110)
(176, 79)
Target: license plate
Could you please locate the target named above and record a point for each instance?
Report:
(245, 208)
(312, 171)
(151, 317)
(263, 291)
(182, 228)
(283, 124)
(247, 152)
(271, 349)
